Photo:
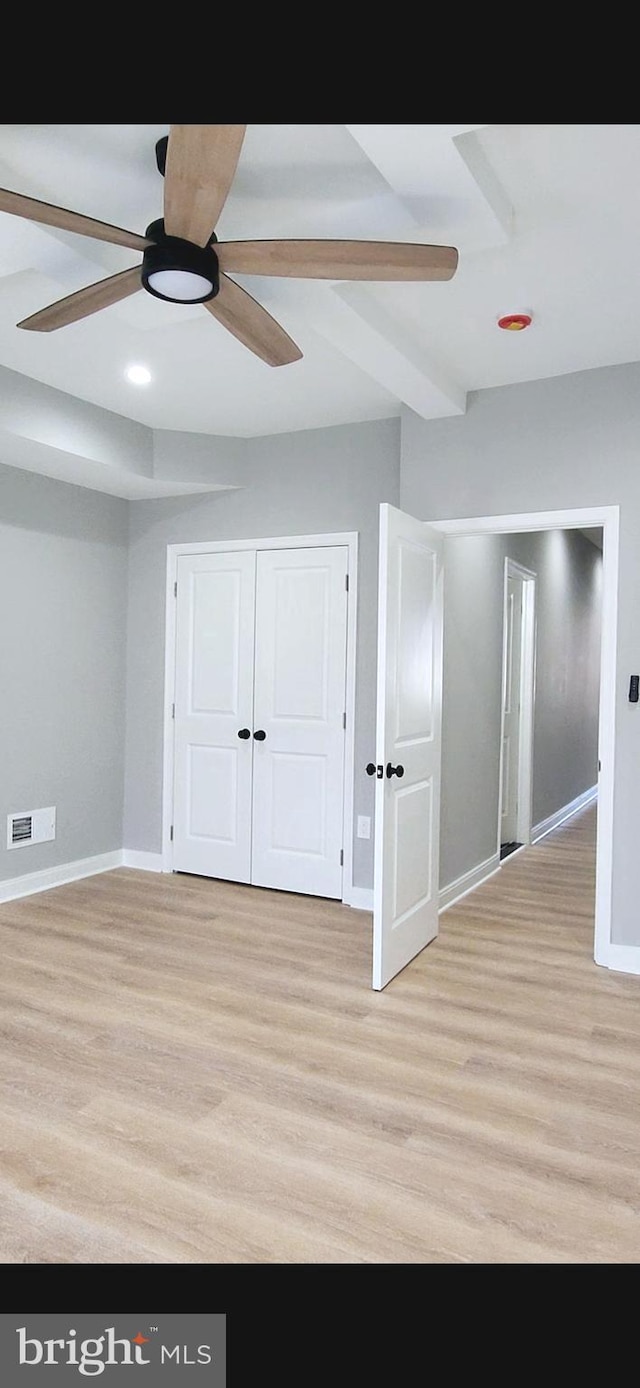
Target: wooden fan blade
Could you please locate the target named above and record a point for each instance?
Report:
(252, 325)
(201, 162)
(84, 302)
(339, 260)
(51, 216)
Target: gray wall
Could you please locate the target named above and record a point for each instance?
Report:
(63, 563)
(565, 742)
(567, 693)
(568, 442)
(562, 443)
(313, 482)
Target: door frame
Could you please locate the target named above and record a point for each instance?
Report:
(585, 517)
(526, 697)
(348, 540)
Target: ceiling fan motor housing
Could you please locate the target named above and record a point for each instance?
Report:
(162, 146)
(169, 256)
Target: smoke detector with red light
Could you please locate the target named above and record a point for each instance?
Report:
(515, 322)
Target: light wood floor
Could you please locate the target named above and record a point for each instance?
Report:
(196, 1072)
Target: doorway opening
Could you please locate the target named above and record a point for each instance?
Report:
(518, 685)
(606, 519)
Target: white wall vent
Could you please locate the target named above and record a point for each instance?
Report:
(31, 826)
(21, 828)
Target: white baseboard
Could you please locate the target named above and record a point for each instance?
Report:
(467, 882)
(553, 820)
(32, 882)
(624, 959)
(361, 898)
(146, 862)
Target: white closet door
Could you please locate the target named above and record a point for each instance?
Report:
(214, 705)
(299, 704)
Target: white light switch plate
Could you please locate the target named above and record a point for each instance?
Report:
(364, 826)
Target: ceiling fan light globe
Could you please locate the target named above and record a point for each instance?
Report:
(180, 286)
(179, 272)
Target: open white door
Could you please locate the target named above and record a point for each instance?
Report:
(410, 607)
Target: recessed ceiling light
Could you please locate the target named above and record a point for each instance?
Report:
(138, 375)
(515, 322)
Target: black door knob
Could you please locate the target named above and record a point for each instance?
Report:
(373, 770)
(394, 770)
(260, 735)
(244, 733)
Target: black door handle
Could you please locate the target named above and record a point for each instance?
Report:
(394, 770)
(373, 770)
(260, 735)
(244, 733)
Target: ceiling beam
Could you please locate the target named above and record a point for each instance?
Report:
(444, 178)
(348, 318)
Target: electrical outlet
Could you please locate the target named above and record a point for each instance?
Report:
(364, 826)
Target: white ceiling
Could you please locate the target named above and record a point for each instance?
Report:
(546, 218)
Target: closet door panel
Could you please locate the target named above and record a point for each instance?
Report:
(214, 702)
(299, 704)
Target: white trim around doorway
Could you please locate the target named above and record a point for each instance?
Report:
(605, 952)
(176, 551)
(526, 694)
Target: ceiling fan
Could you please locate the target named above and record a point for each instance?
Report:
(183, 261)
